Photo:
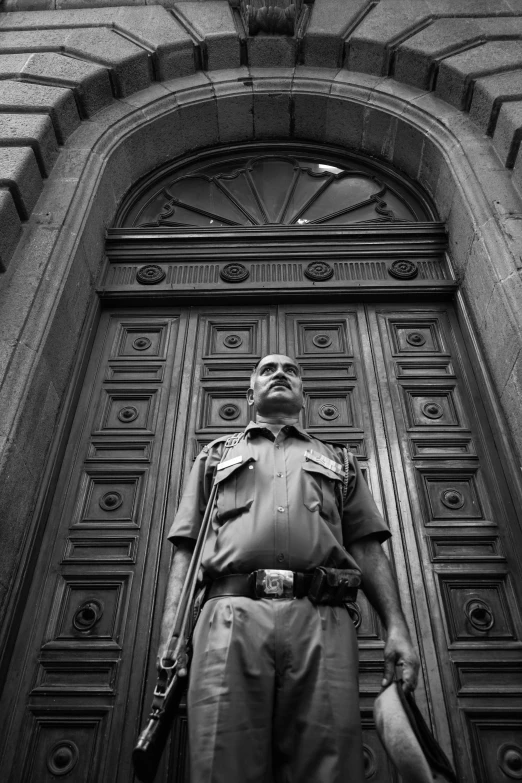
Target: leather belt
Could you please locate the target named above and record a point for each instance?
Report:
(265, 583)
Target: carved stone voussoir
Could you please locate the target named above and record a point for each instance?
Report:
(273, 17)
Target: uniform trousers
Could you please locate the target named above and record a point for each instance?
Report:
(273, 694)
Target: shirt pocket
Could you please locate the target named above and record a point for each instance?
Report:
(236, 489)
(321, 489)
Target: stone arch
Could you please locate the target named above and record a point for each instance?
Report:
(49, 314)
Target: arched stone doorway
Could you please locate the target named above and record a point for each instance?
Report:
(439, 150)
(188, 310)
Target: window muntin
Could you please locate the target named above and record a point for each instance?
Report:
(273, 189)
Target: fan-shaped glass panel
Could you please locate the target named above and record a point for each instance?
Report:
(274, 189)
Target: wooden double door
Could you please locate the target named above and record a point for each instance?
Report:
(392, 381)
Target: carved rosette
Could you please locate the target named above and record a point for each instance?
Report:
(403, 269)
(232, 341)
(416, 339)
(62, 758)
(150, 274)
(229, 411)
(234, 273)
(509, 757)
(319, 271)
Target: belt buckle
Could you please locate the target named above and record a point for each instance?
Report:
(274, 583)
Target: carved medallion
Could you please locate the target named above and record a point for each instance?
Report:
(128, 414)
(432, 410)
(110, 501)
(403, 270)
(141, 343)
(322, 340)
(416, 339)
(329, 412)
(62, 758)
(509, 757)
(150, 274)
(232, 341)
(319, 270)
(234, 273)
(452, 498)
(370, 762)
(229, 411)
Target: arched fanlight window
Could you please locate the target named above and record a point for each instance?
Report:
(273, 188)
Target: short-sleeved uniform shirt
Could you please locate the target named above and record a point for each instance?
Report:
(277, 506)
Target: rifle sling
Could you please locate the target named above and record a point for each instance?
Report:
(179, 634)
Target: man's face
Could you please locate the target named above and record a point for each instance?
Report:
(277, 388)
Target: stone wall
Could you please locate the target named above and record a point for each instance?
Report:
(92, 99)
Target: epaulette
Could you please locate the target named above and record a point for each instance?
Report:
(221, 439)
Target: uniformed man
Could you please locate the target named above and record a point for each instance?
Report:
(273, 691)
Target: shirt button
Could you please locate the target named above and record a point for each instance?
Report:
(280, 558)
(280, 509)
(279, 475)
(251, 467)
(277, 446)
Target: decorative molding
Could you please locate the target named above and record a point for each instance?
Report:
(233, 341)
(319, 271)
(416, 339)
(128, 414)
(111, 501)
(370, 762)
(452, 498)
(329, 412)
(151, 274)
(229, 412)
(62, 758)
(346, 269)
(432, 410)
(141, 343)
(234, 273)
(509, 757)
(403, 270)
(322, 340)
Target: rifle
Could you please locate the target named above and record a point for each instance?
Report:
(170, 687)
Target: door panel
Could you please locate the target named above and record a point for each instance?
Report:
(81, 643)
(462, 525)
(392, 382)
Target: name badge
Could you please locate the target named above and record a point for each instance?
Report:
(326, 462)
(228, 462)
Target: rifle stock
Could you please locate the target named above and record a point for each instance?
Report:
(149, 748)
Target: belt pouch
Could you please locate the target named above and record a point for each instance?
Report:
(334, 586)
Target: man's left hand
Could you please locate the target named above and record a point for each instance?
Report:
(399, 652)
